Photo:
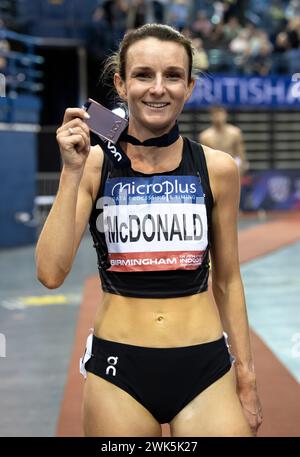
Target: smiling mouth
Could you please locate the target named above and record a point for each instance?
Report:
(157, 105)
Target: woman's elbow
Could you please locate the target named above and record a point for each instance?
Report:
(50, 275)
(49, 280)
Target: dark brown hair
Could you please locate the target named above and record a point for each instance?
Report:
(116, 63)
(217, 109)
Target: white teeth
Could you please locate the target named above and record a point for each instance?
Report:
(156, 105)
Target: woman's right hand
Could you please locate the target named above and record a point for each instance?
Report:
(73, 138)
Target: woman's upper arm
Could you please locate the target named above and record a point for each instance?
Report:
(87, 193)
(225, 184)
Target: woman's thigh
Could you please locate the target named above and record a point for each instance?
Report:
(214, 412)
(110, 411)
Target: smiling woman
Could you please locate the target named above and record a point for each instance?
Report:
(158, 352)
(155, 89)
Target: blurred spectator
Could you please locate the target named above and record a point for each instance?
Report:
(225, 137)
(202, 5)
(240, 44)
(138, 14)
(4, 47)
(159, 10)
(115, 14)
(285, 58)
(293, 32)
(100, 38)
(200, 56)
(282, 42)
(231, 29)
(293, 52)
(276, 18)
(178, 14)
(260, 62)
(234, 8)
(107, 25)
(293, 9)
(259, 40)
(218, 13)
(216, 38)
(187, 32)
(201, 27)
(241, 48)
(257, 12)
(279, 61)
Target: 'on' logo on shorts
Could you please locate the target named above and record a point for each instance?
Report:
(112, 361)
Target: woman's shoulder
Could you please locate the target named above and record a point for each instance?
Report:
(219, 163)
(222, 170)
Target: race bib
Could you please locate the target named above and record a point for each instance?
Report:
(154, 223)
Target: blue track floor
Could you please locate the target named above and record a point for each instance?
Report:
(272, 286)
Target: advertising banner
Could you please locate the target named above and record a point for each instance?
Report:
(271, 190)
(238, 91)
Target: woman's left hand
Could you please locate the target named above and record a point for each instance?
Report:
(251, 406)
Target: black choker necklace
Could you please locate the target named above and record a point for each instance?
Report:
(118, 156)
(161, 141)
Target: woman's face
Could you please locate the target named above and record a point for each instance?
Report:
(156, 85)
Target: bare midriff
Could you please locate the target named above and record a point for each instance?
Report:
(158, 322)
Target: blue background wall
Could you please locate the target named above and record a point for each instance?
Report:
(17, 185)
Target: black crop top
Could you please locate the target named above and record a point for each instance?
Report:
(152, 231)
